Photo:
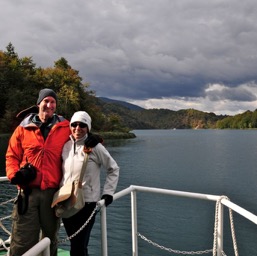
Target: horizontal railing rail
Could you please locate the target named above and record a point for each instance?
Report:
(42, 247)
(4, 178)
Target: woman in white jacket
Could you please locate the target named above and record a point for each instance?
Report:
(73, 157)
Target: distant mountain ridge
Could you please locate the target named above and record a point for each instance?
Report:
(122, 103)
(135, 117)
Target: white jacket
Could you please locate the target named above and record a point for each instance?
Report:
(73, 157)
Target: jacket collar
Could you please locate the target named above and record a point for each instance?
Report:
(80, 141)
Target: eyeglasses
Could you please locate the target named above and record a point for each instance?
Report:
(81, 125)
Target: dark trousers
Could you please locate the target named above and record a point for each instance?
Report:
(79, 243)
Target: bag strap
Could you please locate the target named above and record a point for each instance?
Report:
(83, 169)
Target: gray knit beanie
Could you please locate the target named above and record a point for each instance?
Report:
(45, 93)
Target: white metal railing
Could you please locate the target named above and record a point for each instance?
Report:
(133, 190)
(3, 178)
(43, 246)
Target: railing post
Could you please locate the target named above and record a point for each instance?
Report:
(134, 222)
(220, 229)
(104, 231)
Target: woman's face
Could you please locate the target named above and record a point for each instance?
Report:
(78, 130)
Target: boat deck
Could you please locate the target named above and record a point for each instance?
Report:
(61, 252)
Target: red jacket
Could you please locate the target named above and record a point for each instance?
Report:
(27, 144)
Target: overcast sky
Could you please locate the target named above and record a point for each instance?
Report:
(174, 54)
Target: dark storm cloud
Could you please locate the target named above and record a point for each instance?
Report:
(235, 94)
(142, 49)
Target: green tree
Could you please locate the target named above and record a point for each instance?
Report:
(21, 80)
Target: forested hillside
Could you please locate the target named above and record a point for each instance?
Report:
(246, 120)
(160, 118)
(181, 119)
(21, 80)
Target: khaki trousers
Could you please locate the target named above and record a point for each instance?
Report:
(39, 221)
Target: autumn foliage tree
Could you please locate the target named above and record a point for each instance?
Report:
(21, 80)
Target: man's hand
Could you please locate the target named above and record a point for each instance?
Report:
(25, 175)
(92, 140)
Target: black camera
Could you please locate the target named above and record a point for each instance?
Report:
(25, 175)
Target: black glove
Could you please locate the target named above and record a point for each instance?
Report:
(25, 175)
(92, 140)
(108, 199)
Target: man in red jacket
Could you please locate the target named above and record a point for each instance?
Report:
(33, 163)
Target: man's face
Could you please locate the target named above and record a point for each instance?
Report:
(47, 108)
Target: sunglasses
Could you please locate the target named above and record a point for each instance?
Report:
(81, 125)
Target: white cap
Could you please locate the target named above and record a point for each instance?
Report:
(83, 117)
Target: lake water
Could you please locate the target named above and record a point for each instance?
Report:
(219, 162)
